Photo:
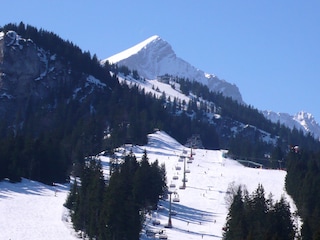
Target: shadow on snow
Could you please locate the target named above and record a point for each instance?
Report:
(26, 186)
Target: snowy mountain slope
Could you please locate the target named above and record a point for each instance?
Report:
(155, 57)
(34, 211)
(31, 210)
(202, 209)
(301, 121)
(157, 88)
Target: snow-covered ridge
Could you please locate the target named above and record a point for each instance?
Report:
(301, 121)
(130, 51)
(155, 57)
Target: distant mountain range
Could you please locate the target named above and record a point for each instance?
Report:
(155, 57)
(301, 121)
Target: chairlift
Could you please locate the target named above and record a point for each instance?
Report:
(175, 177)
(155, 222)
(172, 185)
(178, 168)
(150, 233)
(189, 160)
(162, 234)
(176, 197)
(180, 159)
(187, 171)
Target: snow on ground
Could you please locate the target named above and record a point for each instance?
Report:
(150, 86)
(30, 210)
(202, 209)
(33, 211)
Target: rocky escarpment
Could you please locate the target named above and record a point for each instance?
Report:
(31, 77)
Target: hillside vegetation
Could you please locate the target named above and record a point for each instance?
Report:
(50, 135)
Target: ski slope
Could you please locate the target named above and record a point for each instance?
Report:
(31, 210)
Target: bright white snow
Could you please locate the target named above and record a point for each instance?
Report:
(34, 211)
(130, 51)
(30, 210)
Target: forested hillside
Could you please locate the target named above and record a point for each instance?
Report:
(302, 183)
(116, 210)
(79, 109)
(48, 134)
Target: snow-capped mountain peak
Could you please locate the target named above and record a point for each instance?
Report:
(301, 121)
(133, 50)
(155, 57)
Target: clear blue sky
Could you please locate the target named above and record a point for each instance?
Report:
(270, 49)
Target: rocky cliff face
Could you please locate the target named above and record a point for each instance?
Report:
(31, 77)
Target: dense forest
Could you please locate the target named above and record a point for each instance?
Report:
(128, 114)
(115, 209)
(257, 217)
(302, 183)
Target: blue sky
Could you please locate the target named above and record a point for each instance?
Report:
(269, 49)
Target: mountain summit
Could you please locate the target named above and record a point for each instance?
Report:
(155, 57)
(301, 121)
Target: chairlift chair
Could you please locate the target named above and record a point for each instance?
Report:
(175, 177)
(162, 235)
(176, 197)
(155, 222)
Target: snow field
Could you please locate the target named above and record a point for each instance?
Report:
(31, 210)
(202, 209)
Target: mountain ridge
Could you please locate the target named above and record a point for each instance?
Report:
(302, 120)
(155, 57)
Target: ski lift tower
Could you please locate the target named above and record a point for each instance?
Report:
(169, 220)
(184, 174)
(184, 179)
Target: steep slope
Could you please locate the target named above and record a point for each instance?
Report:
(34, 211)
(32, 77)
(301, 121)
(155, 57)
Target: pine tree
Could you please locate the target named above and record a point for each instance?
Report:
(236, 226)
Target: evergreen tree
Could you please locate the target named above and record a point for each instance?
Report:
(254, 217)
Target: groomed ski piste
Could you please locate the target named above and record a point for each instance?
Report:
(31, 210)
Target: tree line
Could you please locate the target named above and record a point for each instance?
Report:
(115, 209)
(256, 217)
(302, 183)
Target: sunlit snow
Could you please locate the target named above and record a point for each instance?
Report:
(30, 210)
(130, 51)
